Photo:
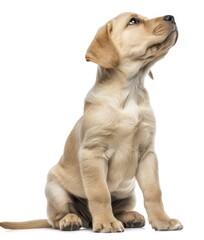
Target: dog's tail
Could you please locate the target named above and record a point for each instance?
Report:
(41, 223)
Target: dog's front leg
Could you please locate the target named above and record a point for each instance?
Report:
(94, 167)
(148, 179)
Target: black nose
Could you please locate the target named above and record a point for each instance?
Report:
(169, 18)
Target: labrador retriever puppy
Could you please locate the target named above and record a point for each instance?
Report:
(112, 144)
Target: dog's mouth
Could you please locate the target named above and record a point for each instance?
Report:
(168, 42)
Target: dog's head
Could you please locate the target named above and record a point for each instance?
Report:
(130, 38)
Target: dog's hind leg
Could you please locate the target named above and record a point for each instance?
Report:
(60, 210)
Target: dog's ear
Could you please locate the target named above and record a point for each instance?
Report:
(102, 51)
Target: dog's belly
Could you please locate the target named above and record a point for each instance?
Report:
(122, 168)
(124, 189)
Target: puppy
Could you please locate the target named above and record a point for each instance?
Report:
(112, 144)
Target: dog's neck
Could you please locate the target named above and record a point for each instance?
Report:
(119, 77)
(114, 85)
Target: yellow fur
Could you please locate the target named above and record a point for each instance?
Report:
(112, 144)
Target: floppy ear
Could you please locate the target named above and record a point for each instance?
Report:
(102, 51)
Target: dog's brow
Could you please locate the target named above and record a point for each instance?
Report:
(134, 15)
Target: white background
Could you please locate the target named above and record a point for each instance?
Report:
(44, 79)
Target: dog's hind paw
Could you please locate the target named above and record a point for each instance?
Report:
(131, 219)
(70, 222)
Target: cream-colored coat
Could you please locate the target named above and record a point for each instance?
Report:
(113, 143)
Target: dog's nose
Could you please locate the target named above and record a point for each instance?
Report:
(169, 18)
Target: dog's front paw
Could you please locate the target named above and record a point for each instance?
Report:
(166, 225)
(108, 227)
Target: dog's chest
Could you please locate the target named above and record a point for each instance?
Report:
(135, 122)
(135, 127)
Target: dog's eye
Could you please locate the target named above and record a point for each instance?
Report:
(134, 21)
